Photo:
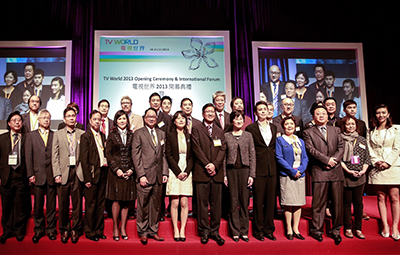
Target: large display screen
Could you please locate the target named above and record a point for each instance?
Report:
(178, 64)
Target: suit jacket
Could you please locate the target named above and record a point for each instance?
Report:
(5, 108)
(208, 150)
(172, 152)
(44, 94)
(26, 122)
(89, 156)
(119, 156)
(135, 122)
(266, 89)
(321, 150)
(164, 122)
(362, 128)
(149, 160)
(285, 158)
(299, 125)
(265, 153)
(227, 120)
(15, 97)
(195, 122)
(5, 149)
(60, 159)
(38, 157)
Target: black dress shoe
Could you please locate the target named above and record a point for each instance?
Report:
(218, 239)
(235, 238)
(74, 236)
(143, 240)
(259, 237)
(20, 238)
(93, 238)
(4, 238)
(270, 237)
(36, 237)
(289, 236)
(318, 237)
(101, 237)
(204, 239)
(338, 239)
(298, 236)
(177, 239)
(64, 237)
(245, 238)
(52, 236)
(182, 239)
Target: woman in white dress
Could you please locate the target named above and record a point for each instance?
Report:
(179, 185)
(384, 143)
(56, 103)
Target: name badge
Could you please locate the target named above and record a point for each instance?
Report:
(161, 124)
(283, 96)
(132, 127)
(72, 161)
(162, 142)
(362, 146)
(217, 142)
(297, 129)
(12, 160)
(355, 160)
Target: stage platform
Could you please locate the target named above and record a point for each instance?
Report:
(373, 244)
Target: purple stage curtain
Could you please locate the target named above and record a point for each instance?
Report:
(79, 19)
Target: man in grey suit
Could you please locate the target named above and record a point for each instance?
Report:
(325, 147)
(38, 155)
(148, 153)
(68, 175)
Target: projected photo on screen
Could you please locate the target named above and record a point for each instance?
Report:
(34, 68)
(309, 73)
(177, 64)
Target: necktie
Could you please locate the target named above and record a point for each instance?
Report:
(103, 126)
(323, 131)
(221, 120)
(209, 130)
(15, 149)
(153, 138)
(275, 101)
(189, 124)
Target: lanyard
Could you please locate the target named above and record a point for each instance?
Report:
(12, 140)
(99, 142)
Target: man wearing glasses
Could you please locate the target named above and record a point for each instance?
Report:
(275, 88)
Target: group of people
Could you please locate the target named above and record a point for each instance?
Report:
(14, 96)
(146, 158)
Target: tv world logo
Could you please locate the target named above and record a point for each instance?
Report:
(122, 41)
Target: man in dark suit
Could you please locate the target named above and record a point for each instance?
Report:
(163, 119)
(300, 108)
(94, 167)
(13, 180)
(30, 119)
(208, 144)
(106, 124)
(319, 84)
(287, 106)
(38, 155)
(331, 105)
(264, 187)
(5, 108)
(325, 147)
(331, 90)
(222, 117)
(29, 72)
(148, 153)
(350, 108)
(275, 88)
(187, 108)
(68, 176)
(40, 90)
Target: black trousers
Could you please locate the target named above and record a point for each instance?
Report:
(320, 200)
(14, 207)
(239, 201)
(39, 193)
(208, 194)
(264, 201)
(95, 201)
(353, 195)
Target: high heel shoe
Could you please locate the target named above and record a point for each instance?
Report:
(384, 235)
(116, 238)
(395, 237)
(125, 237)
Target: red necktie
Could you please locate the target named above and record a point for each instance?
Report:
(103, 126)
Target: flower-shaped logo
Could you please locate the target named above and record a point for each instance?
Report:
(200, 52)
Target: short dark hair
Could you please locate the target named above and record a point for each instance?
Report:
(330, 73)
(12, 115)
(186, 98)
(30, 64)
(150, 109)
(40, 100)
(320, 65)
(166, 98)
(292, 82)
(330, 98)
(74, 105)
(286, 119)
(69, 109)
(235, 114)
(304, 74)
(39, 71)
(206, 106)
(343, 123)
(236, 98)
(14, 73)
(93, 112)
(118, 114)
(317, 105)
(260, 103)
(103, 101)
(348, 102)
(154, 94)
